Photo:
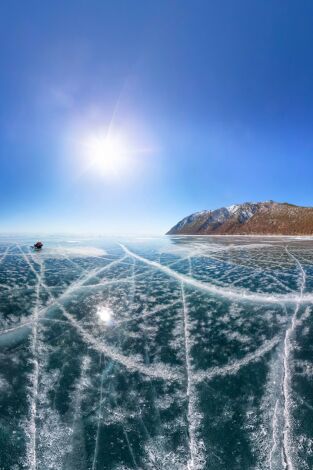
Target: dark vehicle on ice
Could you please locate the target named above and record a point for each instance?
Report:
(37, 246)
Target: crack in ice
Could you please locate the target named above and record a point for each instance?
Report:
(156, 371)
(32, 430)
(274, 434)
(5, 254)
(95, 455)
(233, 367)
(195, 454)
(288, 462)
(238, 294)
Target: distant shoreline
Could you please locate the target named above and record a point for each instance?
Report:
(308, 237)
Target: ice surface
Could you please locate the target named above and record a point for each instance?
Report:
(169, 353)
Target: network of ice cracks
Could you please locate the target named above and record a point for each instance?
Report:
(176, 353)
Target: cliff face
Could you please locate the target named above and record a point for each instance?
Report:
(261, 218)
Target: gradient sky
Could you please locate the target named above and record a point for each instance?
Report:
(213, 101)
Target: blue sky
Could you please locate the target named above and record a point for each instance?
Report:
(210, 102)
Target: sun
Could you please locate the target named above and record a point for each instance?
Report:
(116, 156)
(107, 155)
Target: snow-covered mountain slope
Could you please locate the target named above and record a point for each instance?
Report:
(268, 218)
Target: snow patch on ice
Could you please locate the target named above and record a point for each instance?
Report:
(78, 251)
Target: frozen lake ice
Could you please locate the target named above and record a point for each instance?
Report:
(156, 353)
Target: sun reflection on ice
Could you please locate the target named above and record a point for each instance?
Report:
(105, 314)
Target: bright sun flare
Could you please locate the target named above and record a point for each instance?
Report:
(104, 314)
(107, 155)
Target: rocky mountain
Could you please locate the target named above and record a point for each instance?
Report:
(259, 218)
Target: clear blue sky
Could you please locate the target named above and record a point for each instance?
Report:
(212, 101)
